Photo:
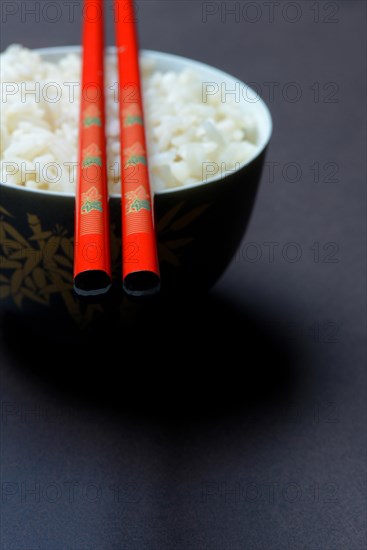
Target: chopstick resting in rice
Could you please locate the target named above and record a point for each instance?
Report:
(140, 270)
(92, 264)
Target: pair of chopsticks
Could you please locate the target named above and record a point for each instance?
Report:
(92, 262)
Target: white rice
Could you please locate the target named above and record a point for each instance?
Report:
(185, 135)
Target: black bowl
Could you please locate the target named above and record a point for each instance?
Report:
(199, 228)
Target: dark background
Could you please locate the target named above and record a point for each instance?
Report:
(268, 451)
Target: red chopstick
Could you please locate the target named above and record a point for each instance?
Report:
(140, 270)
(92, 264)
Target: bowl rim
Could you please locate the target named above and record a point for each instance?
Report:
(64, 50)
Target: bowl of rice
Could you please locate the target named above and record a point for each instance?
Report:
(207, 135)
